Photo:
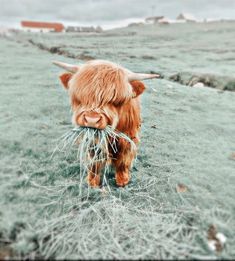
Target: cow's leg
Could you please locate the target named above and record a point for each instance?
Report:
(123, 163)
(94, 175)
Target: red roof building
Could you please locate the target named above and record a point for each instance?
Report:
(42, 26)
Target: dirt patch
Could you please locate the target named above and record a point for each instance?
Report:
(60, 51)
(181, 188)
(232, 156)
(6, 251)
(148, 57)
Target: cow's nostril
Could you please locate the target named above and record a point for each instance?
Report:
(92, 120)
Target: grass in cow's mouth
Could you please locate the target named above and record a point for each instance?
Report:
(91, 146)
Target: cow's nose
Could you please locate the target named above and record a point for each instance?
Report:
(92, 120)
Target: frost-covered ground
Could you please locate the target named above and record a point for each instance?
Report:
(188, 138)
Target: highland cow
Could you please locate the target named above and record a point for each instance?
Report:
(105, 94)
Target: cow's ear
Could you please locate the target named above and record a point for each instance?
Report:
(64, 78)
(138, 88)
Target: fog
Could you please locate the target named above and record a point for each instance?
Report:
(104, 11)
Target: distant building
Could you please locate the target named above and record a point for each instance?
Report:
(73, 29)
(32, 26)
(186, 17)
(165, 20)
(153, 19)
(84, 29)
(161, 20)
(88, 29)
(99, 29)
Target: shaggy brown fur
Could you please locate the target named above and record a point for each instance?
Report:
(101, 95)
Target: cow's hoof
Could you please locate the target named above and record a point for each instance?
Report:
(122, 179)
(94, 181)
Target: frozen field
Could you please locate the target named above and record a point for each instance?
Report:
(183, 181)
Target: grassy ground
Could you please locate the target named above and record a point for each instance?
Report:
(187, 138)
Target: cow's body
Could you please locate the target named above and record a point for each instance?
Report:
(103, 93)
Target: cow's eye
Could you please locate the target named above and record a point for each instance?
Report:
(117, 104)
(75, 101)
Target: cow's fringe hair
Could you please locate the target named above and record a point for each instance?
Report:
(92, 146)
(100, 84)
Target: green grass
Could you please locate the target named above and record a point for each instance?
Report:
(187, 137)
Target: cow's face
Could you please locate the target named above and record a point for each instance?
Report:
(98, 89)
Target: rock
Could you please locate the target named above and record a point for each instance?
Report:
(216, 240)
(199, 84)
(221, 237)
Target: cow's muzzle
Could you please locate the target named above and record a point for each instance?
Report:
(92, 119)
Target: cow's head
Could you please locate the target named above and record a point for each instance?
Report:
(98, 89)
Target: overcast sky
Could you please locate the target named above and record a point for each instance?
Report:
(93, 11)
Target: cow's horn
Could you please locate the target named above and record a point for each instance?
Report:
(141, 76)
(68, 67)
